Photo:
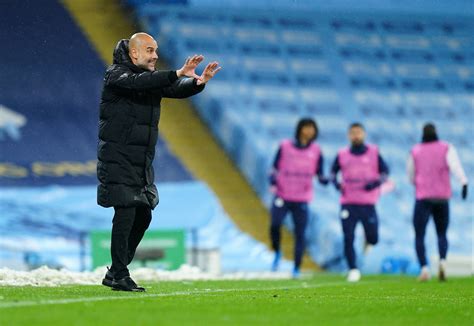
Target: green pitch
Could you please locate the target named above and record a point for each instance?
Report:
(319, 300)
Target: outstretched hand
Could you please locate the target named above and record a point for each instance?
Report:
(369, 186)
(189, 67)
(209, 72)
(464, 192)
(339, 187)
(323, 180)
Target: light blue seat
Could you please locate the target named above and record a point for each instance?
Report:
(391, 73)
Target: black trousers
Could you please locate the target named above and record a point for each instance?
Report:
(440, 212)
(129, 226)
(299, 213)
(350, 216)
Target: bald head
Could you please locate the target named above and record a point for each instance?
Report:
(142, 49)
(138, 39)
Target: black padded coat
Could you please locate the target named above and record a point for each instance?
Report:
(128, 129)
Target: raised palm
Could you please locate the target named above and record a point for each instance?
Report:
(209, 72)
(189, 67)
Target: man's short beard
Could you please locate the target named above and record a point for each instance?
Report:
(146, 66)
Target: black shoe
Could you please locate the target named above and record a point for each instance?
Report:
(126, 284)
(108, 278)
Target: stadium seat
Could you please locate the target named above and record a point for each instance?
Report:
(393, 73)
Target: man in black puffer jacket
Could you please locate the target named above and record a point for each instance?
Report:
(128, 133)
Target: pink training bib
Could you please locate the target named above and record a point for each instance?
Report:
(431, 170)
(357, 171)
(296, 169)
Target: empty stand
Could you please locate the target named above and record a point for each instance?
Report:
(391, 72)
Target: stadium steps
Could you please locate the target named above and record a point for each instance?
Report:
(104, 22)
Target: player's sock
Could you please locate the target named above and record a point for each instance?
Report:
(296, 273)
(424, 274)
(353, 275)
(276, 261)
(367, 247)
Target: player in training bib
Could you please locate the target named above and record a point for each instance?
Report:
(429, 167)
(296, 163)
(363, 171)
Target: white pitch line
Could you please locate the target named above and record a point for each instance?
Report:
(158, 295)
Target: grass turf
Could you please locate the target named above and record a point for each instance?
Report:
(320, 300)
